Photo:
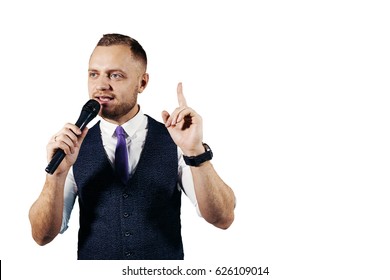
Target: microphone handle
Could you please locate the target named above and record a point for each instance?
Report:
(55, 161)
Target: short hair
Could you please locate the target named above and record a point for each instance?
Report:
(119, 39)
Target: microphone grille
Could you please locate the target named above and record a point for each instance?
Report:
(92, 106)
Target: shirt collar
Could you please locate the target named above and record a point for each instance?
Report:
(130, 127)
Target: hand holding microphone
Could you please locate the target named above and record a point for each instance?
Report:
(88, 113)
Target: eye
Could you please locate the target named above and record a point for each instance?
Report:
(92, 74)
(116, 76)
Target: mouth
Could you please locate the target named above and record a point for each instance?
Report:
(104, 99)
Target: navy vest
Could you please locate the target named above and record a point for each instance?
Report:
(138, 220)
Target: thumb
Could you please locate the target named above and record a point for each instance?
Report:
(82, 136)
(165, 116)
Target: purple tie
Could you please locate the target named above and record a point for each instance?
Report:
(121, 157)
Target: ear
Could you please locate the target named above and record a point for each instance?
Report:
(143, 82)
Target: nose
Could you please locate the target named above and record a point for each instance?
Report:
(102, 84)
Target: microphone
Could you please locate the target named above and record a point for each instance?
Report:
(89, 112)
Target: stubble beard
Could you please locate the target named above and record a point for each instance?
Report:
(118, 111)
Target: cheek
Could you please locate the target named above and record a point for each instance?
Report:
(90, 88)
(126, 89)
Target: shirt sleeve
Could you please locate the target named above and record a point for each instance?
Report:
(70, 193)
(186, 182)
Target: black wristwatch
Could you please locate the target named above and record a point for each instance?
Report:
(199, 159)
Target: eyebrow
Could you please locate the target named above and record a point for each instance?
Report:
(109, 70)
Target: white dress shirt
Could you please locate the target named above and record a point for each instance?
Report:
(136, 130)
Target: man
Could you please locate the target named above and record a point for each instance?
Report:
(137, 217)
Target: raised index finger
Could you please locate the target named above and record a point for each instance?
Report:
(180, 96)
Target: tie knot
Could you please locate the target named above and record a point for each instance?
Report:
(119, 131)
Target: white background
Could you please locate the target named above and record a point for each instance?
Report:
(295, 101)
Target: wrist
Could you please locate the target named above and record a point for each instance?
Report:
(195, 151)
(196, 160)
(58, 175)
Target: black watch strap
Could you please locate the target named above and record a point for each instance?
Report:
(199, 159)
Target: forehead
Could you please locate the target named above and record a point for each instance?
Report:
(108, 57)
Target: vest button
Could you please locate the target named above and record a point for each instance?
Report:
(128, 233)
(126, 215)
(128, 254)
(125, 195)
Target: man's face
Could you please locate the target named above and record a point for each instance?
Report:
(115, 78)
